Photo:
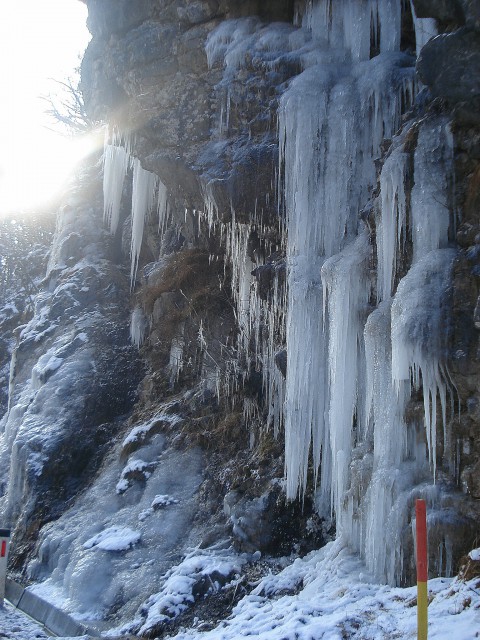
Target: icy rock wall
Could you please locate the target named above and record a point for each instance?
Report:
(341, 80)
(333, 119)
(326, 186)
(74, 373)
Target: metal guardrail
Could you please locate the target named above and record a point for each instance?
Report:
(52, 618)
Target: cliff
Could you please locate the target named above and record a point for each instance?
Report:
(286, 215)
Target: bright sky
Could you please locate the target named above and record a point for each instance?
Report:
(39, 40)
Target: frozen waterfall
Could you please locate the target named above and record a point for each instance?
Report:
(351, 374)
(352, 369)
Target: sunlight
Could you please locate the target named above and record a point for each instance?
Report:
(38, 170)
(38, 42)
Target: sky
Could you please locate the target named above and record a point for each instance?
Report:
(40, 41)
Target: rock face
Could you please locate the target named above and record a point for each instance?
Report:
(446, 65)
(245, 118)
(74, 374)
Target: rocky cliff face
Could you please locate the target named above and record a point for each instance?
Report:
(306, 304)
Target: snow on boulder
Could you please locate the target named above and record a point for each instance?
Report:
(45, 367)
(114, 539)
(474, 554)
(159, 502)
(144, 432)
(134, 470)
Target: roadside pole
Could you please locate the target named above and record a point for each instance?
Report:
(422, 569)
(4, 545)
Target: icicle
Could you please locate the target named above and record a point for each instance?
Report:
(138, 327)
(348, 24)
(333, 120)
(143, 198)
(431, 192)
(176, 354)
(11, 376)
(418, 336)
(425, 29)
(116, 161)
(346, 292)
(391, 225)
(162, 208)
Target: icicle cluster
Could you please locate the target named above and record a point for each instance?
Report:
(138, 327)
(326, 184)
(332, 123)
(146, 188)
(351, 371)
(116, 162)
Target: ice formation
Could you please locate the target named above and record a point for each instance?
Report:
(350, 374)
(146, 188)
(418, 322)
(346, 295)
(350, 369)
(116, 162)
(333, 119)
(425, 29)
(392, 219)
(143, 199)
(138, 326)
(432, 187)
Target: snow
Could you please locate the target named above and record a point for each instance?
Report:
(474, 554)
(143, 430)
(177, 592)
(163, 501)
(327, 595)
(14, 625)
(134, 467)
(114, 539)
(332, 597)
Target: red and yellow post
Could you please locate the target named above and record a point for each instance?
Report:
(4, 544)
(422, 569)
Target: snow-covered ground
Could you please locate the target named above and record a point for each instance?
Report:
(328, 596)
(325, 596)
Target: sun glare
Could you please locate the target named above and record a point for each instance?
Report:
(38, 41)
(37, 171)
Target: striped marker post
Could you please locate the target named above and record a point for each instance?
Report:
(422, 569)
(4, 544)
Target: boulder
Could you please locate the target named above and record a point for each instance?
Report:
(449, 63)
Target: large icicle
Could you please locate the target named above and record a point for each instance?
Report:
(431, 192)
(116, 161)
(385, 413)
(346, 292)
(425, 29)
(143, 198)
(392, 223)
(418, 337)
(333, 119)
(349, 25)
